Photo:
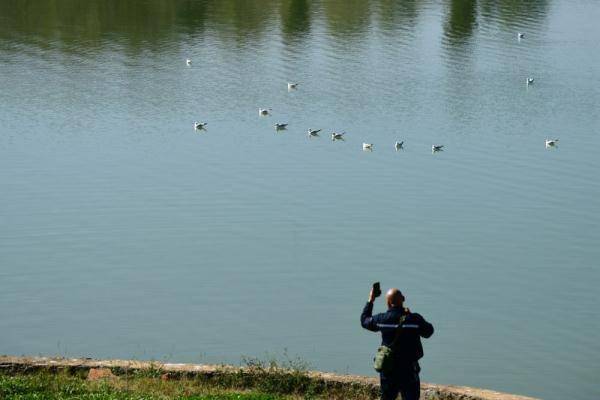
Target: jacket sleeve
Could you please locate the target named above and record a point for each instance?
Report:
(425, 328)
(367, 320)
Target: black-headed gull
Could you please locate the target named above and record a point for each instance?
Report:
(188, 61)
(313, 132)
(280, 127)
(200, 125)
(292, 86)
(368, 146)
(399, 145)
(264, 111)
(437, 147)
(551, 142)
(337, 136)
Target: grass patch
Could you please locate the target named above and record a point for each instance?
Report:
(258, 380)
(63, 386)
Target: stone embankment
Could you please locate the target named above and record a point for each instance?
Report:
(429, 391)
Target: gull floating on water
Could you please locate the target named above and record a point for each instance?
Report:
(368, 146)
(337, 136)
(280, 127)
(437, 147)
(200, 125)
(551, 142)
(264, 111)
(292, 86)
(313, 132)
(188, 61)
(530, 81)
(399, 145)
(520, 35)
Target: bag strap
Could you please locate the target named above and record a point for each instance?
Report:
(398, 330)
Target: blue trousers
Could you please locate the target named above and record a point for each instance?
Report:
(404, 380)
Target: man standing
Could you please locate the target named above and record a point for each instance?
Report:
(403, 378)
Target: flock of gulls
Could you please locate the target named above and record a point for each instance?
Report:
(335, 136)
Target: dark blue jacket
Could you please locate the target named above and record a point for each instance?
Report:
(408, 346)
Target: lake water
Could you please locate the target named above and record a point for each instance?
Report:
(125, 233)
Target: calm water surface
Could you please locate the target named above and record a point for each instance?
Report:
(124, 233)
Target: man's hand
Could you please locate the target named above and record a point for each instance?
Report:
(371, 296)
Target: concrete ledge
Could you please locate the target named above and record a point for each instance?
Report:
(428, 391)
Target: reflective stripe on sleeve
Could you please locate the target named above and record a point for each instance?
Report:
(396, 325)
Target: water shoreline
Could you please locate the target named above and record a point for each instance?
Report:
(171, 371)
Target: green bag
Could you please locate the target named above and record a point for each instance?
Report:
(384, 358)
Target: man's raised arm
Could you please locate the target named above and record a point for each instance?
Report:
(366, 318)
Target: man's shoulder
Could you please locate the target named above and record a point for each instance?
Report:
(385, 316)
(415, 317)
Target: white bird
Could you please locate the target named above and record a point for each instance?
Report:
(437, 147)
(368, 146)
(292, 86)
(264, 111)
(551, 142)
(530, 81)
(280, 127)
(399, 146)
(520, 35)
(188, 61)
(313, 132)
(200, 125)
(337, 136)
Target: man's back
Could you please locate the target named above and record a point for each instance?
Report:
(405, 342)
(408, 346)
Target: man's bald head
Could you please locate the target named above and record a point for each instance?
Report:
(394, 298)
